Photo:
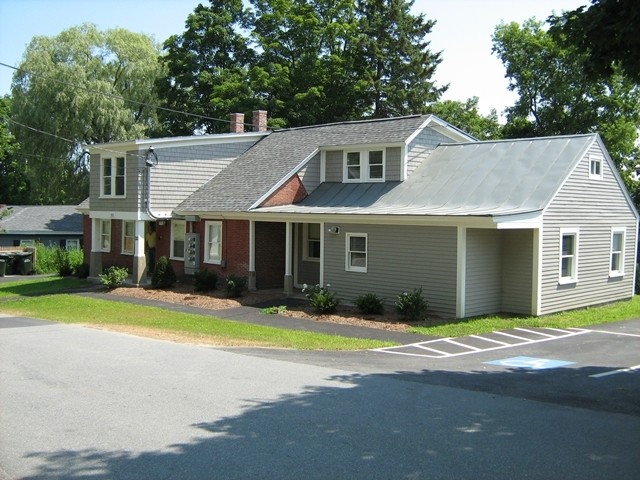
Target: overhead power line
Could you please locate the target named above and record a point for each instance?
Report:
(111, 95)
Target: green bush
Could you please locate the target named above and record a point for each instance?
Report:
(53, 259)
(321, 298)
(370, 304)
(412, 306)
(275, 310)
(235, 286)
(205, 280)
(164, 276)
(113, 277)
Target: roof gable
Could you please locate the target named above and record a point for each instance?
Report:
(274, 159)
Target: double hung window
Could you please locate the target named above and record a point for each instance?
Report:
(617, 252)
(213, 242)
(178, 231)
(105, 235)
(112, 176)
(128, 236)
(311, 238)
(364, 166)
(356, 252)
(569, 256)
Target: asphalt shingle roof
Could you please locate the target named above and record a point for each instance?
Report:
(254, 173)
(43, 219)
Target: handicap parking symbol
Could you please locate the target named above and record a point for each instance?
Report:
(530, 363)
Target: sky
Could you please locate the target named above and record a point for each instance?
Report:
(463, 33)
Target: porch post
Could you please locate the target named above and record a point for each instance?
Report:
(252, 255)
(95, 261)
(139, 258)
(461, 277)
(288, 277)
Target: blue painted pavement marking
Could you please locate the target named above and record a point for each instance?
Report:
(530, 363)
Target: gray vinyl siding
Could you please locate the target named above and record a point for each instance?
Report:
(483, 272)
(180, 171)
(310, 174)
(421, 147)
(334, 167)
(131, 200)
(593, 206)
(307, 272)
(399, 259)
(517, 271)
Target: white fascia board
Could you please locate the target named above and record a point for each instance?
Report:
(167, 142)
(284, 179)
(520, 221)
(109, 215)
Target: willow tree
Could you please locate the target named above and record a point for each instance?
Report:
(80, 87)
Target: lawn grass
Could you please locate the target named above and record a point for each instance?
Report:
(41, 286)
(575, 318)
(68, 308)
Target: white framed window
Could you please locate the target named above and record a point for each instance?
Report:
(364, 166)
(311, 242)
(568, 255)
(356, 252)
(27, 243)
(113, 177)
(178, 231)
(213, 242)
(72, 244)
(105, 235)
(617, 252)
(128, 236)
(595, 167)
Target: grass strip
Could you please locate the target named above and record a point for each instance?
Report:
(576, 318)
(67, 308)
(41, 286)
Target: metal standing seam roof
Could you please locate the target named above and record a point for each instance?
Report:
(473, 179)
(254, 173)
(42, 219)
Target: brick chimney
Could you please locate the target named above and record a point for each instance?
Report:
(259, 121)
(237, 123)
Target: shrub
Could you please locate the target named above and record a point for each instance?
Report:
(54, 259)
(205, 280)
(164, 276)
(412, 306)
(275, 310)
(235, 286)
(370, 304)
(321, 298)
(113, 277)
(82, 270)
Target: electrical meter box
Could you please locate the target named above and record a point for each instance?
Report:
(192, 253)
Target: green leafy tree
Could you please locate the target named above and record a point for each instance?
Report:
(465, 116)
(607, 32)
(82, 86)
(14, 188)
(556, 98)
(393, 58)
(207, 69)
(305, 61)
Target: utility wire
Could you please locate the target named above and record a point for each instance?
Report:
(73, 142)
(111, 95)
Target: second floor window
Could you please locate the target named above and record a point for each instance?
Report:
(112, 177)
(364, 166)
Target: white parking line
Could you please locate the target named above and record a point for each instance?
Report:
(418, 349)
(614, 372)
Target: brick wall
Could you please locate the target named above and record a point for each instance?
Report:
(292, 191)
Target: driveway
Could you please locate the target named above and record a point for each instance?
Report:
(79, 402)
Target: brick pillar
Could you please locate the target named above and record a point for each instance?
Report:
(259, 120)
(237, 123)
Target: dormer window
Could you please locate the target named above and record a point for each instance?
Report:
(364, 166)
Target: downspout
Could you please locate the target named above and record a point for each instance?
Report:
(151, 160)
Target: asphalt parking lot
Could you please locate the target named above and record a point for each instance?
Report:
(594, 367)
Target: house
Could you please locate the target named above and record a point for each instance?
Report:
(51, 225)
(530, 226)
